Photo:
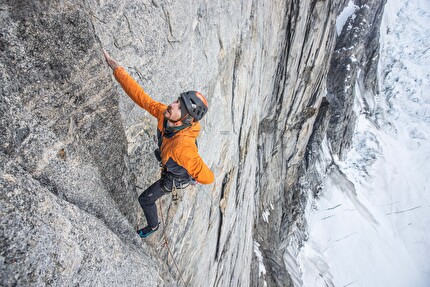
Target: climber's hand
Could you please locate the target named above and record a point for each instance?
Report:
(111, 62)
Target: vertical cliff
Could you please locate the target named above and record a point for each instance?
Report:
(76, 151)
(351, 77)
(287, 122)
(67, 201)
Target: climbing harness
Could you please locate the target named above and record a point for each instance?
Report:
(171, 184)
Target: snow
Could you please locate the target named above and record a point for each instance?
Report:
(261, 268)
(265, 215)
(347, 12)
(370, 226)
(259, 255)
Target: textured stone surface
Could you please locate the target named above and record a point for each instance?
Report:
(76, 151)
(68, 202)
(289, 116)
(353, 66)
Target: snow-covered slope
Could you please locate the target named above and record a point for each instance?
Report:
(369, 226)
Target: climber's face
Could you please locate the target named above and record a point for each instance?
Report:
(173, 111)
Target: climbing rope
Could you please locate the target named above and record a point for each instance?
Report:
(166, 243)
(210, 197)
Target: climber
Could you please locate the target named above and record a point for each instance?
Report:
(177, 130)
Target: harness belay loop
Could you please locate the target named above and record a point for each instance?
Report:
(170, 183)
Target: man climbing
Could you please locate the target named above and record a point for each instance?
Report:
(177, 130)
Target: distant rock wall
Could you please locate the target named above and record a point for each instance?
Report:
(351, 79)
(76, 151)
(284, 131)
(353, 68)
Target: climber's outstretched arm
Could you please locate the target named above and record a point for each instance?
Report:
(134, 90)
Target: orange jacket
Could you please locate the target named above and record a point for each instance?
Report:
(180, 149)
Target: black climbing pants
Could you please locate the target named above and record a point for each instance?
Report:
(161, 187)
(147, 201)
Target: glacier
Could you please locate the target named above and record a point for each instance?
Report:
(370, 225)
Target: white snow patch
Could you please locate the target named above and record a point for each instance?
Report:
(347, 12)
(265, 215)
(261, 267)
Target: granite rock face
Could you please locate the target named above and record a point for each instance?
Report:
(353, 65)
(76, 151)
(68, 207)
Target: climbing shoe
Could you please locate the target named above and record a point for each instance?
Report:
(147, 230)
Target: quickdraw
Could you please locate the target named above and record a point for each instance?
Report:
(174, 192)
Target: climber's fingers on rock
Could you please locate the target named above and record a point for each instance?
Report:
(111, 62)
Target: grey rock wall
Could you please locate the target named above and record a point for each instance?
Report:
(351, 78)
(353, 68)
(284, 132)
(76, 151)
(67, 196)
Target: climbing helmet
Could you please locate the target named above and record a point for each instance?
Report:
(195, 104)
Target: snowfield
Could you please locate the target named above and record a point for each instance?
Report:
(370, 226)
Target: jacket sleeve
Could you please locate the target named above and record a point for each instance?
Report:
(137, 94)
(189, 158)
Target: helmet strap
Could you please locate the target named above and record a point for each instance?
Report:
(180, 120)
